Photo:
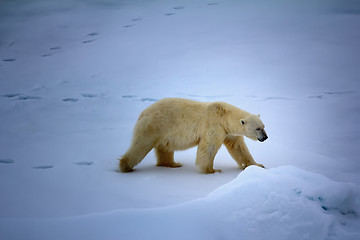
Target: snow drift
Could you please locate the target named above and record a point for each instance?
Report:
(280, 203)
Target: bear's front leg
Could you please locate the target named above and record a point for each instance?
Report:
(206, 152)
(238, 150)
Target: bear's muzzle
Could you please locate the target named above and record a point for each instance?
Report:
(263, 136)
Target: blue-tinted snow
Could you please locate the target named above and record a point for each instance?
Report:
(280, 203)
(74, 76)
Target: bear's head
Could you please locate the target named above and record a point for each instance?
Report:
(254, 127)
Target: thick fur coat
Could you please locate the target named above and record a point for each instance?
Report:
(177, 124)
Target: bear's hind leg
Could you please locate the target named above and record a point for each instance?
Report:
(134, 155)
(166, 159)
(205, 157)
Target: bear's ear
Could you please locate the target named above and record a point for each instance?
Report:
(258, 115)
(242, 121)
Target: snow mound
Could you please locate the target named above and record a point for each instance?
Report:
(287, 203)
(280, 203)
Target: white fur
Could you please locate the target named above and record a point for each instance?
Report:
(177, 124)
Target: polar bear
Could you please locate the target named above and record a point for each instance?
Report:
(177, 124)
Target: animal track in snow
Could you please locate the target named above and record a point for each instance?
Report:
(27, 97)
(276, 98)
(89, 41)
(93, 34)
(70, 100)
(19, 96)
(54, 51)
(169, 14)
(269, 98)
(317, 96)
(128, 26)
(89, 95)
(6, 161)
(55, 48)
(84, 163)
(9, 59)
(136, 19)
(339, 93)
(47, 55)
(331, 93)
(149, 100)
(146, 99)
(128, 96)
(43, 167)
(179, 7)
(11, 95)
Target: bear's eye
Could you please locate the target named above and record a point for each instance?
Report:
(258, 129)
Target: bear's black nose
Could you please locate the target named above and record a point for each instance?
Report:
(263, 138)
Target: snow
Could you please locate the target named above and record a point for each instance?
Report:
(280, 203)
(75, 75)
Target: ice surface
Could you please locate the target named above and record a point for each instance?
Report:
(75, 75)
(280, 203)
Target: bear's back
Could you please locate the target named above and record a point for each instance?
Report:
(174, 108)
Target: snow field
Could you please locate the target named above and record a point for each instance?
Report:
(281, 203)
(75, 75)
